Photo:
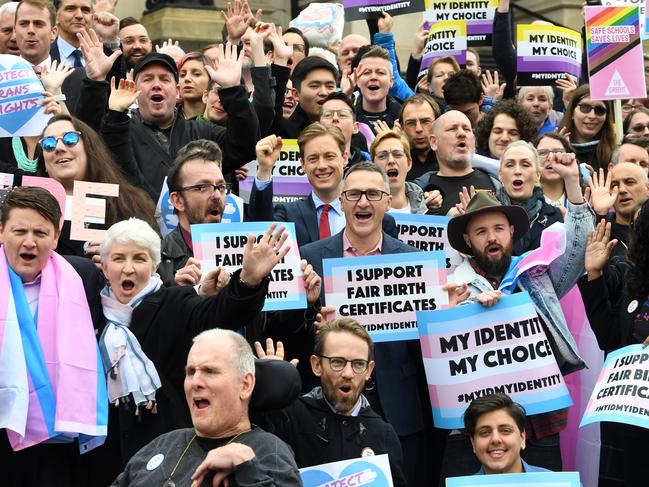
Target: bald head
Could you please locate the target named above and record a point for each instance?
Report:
(348, 48)
(453, 142)
(631, 153)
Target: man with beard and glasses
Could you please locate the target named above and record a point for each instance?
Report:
(335, 421)
(197, 191)
(485, 233)
(454, 144)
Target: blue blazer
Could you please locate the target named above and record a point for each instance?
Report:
(399, 366)
(301, 212)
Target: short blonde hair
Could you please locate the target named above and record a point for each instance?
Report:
(391, 134)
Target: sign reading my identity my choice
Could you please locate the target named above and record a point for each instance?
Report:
(445, 39)
(289, 181)
(478, 14)
(546, 52)
(615, 64)
(222, 244)
(622, 390)
(384, 292)
(471, 351)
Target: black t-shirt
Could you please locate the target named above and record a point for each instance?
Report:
(450, 187)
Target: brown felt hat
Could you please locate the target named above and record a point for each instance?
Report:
(484, 202)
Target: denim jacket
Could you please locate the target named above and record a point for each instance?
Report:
(547, 285)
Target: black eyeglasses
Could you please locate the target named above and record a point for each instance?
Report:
(339, 363)
(639, 127)
(547, 152)
(70, 139)
(209, 189)
(370, 194)
(600, 111)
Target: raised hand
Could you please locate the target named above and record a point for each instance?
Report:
(456, 294)
(51, 104)
(566, 166)
(381, 126)
(228, 73)
(488, 298)
(237, 19)
(433, 199)
(168, 43)
(122, 95)
(105, 6)
(272, 352)
(267, 151)
(491, 85)
(312, 282)
(97, 63)
(602, 197)
(325, 314)
(54, 77)
(190, 274)
(106, 26)
(421, 36)
(386, 22)
(260, 258)
(281, 51)
(568, 86)
(214, 282)
(598, 249)
(348, 81)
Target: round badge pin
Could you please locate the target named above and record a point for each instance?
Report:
(367, 452)
(633, 305)
(155, 462)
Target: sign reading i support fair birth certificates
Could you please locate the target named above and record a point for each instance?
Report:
(529, 479)
(545, 53)
(222, 244)
(470, 351)
(371, 9)
(615, 65)
(445, 39)
(478, 14)
(384, 292)
(622, 390)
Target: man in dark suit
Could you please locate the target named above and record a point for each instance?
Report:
(399, 374)
(323, 156)
(72, 17)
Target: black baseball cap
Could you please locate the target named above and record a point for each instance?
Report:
(156, 57)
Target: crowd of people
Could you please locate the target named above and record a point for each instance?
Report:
(123, 363)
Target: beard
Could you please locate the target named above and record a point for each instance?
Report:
(342, 404)
(491, 266)
(459, 162)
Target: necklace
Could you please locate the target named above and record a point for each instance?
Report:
(170, 482)
(24, 162)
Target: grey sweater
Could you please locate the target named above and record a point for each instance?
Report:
(273, 464)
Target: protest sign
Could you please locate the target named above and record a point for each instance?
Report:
(427, 233)
(289, 181)
(479, 16)
(383, 292)
(632, 3)
(615, 64)
(621, 393)
(470, 351)
(371, 9)
(539, 479)
(222, 244)
(6, 179)
(373, 471)
(21, 112)
(168, 220)
(545, 53)
(446, 38)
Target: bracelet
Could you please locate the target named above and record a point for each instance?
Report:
(246, 284)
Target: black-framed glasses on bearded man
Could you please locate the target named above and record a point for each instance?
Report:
(208, 189)
(370, 194)
(339, 363)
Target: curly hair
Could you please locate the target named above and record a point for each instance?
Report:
(606, 136)
(132, 201)
(638, 254)
(524, 123)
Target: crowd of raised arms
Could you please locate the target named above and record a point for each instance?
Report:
(123, 363)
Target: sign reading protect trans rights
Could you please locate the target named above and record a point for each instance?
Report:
(371, 9)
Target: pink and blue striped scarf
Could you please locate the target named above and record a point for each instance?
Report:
(52, 387)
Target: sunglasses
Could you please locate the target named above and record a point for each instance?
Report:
(70, 139)
(600, 111)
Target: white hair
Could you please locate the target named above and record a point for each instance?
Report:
(9, 7)
(134, 231)
(528, 145)
(242, 356)
(522, 91)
